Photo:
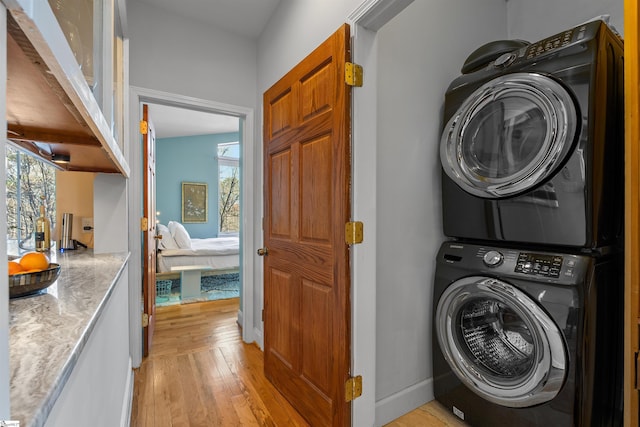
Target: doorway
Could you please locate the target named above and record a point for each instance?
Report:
(197, 153)
(189, 105)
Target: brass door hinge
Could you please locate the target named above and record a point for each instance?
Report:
(144, 224)
(144, 127)
(145, 320)
(353, 388)
(354, 232)
(353, 74)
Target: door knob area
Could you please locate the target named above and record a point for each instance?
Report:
(263, 251)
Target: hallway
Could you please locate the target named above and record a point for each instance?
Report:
(199, 373)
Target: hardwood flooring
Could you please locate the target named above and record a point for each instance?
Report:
(200, 373)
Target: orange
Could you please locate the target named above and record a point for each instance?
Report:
(34, 261)
(14, 268)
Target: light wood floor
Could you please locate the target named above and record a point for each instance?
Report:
(200, 373)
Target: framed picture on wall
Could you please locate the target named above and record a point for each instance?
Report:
(194, 202)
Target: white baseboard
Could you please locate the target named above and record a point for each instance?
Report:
(240, 318)
(125, 419)
(259, 338)
(404, 401)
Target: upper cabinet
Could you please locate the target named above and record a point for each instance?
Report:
(65, 90)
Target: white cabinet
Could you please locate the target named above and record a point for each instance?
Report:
(61, 101)
(98, 390)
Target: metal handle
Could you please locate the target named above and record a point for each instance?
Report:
(263, 251)
(158, 237)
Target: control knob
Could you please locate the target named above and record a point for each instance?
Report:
(493, 258)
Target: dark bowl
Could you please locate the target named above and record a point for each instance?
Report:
(29, 283)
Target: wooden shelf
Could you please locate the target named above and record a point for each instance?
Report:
(50, 108)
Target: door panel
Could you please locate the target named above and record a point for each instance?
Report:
(315, 206)
(306, 282)
(149, 234)
(280, 218)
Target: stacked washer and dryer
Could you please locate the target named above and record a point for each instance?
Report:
(528, 293)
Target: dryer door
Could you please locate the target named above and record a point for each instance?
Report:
(500, 343)
(509, 135)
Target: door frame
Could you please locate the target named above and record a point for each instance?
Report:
(365, 21)
(138, 96)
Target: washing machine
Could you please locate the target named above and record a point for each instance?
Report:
(532, 148)
(528, 338)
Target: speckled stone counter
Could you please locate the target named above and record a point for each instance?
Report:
(48, 331)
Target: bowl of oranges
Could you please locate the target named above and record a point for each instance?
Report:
(31, 273)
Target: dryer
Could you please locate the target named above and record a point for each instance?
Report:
(532, 149)
(528, 337)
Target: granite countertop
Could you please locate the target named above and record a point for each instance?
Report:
(48, 331)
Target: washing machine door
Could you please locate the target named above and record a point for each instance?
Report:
(509, 135)
(500, 343)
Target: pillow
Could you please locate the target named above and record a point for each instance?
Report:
(167, 241)
(180, 235)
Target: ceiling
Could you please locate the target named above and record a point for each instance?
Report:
(242, 17)
(170, 122)
(246, 18)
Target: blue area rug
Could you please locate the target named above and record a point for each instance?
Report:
(222, 286)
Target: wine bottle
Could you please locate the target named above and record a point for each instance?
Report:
(43, 232)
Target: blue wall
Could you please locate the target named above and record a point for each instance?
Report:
(188, 159)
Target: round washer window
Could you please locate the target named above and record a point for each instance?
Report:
(497, 337)
(500, 343)
(509, 135)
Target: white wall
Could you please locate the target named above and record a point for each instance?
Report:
(296, 28)
(420, 51)
(110, 210)
(176, 55)
(535, 20)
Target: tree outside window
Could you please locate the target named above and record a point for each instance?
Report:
(30, 183)
(229, 187)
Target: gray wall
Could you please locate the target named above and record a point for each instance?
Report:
(420, 51)
(535, 20)
(177, 55)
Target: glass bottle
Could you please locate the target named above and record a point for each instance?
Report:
(43, 232)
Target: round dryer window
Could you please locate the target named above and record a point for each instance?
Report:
(500, 343)
(509, 135)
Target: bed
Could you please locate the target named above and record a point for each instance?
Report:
(177, 248)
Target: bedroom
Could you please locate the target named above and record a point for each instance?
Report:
(197, 202)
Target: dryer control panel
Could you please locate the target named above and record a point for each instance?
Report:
(579, 34)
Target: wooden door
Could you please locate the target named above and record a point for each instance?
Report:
(632, 210)
(149, 231)
(306, 269)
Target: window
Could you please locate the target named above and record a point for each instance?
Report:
(30, 183)
(229, 187)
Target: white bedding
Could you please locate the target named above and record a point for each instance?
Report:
(217, 252)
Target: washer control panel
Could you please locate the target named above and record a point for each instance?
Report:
(538, 264)
(473, 259)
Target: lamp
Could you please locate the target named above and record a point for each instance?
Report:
(60, 158)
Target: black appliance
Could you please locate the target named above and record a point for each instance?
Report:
(528, 337)
(532, 150)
